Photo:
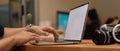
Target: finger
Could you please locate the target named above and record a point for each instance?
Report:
(51, 30)
(41, 32)
(33, 35)
(38, 39)
(55, 33)
(44, 33)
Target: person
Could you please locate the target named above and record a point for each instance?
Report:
(10, 37)
(92, 24)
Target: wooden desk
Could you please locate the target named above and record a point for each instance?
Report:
(86, 45)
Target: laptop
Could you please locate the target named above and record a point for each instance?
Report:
(75, 26)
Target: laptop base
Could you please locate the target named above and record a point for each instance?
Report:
(55, 43)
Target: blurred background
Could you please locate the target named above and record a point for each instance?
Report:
(19, 13)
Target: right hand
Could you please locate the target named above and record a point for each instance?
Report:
(45, 30)
(23, 37)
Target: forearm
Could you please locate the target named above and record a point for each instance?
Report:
(11, 31)
(7, 43)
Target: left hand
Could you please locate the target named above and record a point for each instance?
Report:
(22, 37)
(45, 30)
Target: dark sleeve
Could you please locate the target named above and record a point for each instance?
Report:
(1, 30)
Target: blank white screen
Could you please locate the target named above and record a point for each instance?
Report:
(76, 22)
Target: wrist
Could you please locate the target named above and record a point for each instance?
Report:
(14, 41)
(33, 27)
(28, 27)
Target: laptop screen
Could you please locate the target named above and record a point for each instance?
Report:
(76, 23)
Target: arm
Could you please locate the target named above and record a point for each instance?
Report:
(6, 44)
(40, 30)
(11, 31)
(17, 40)
(18, 36)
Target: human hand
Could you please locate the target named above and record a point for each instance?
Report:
(45, 30)
(24, 37)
